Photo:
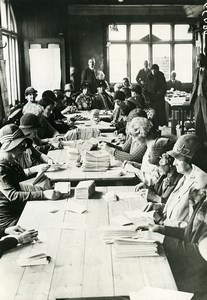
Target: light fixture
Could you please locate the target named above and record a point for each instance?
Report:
(114, 26)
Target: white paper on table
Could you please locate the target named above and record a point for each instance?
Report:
(152, 293)
(33, 258)
(63, 187)
(122, 220)
(75, 207)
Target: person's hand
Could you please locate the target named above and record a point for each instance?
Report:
(150, 235)
(41, 168)
(52, 195)
(115, 132)
(140, 186)
(153, 206)
(14, 230)
(27, 236)
(50, 161)
(151, 196)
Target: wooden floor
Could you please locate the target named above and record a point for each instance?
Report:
(82, 264)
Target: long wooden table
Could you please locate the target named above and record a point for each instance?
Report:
(73, 173)
(82, 264)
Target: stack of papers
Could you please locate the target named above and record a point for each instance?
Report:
(85, 189)
(96, 161)
(34, 258)
(127, 247)
(111, 233)
(152, 293)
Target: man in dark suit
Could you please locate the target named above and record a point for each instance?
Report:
(174, 84)
(88, 75)
(142, 75)
(199, 97)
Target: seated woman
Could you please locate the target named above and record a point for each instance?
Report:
(126, 87)
(30, 125)
(185, 248)
(12, 236)
(31, 106)
(148, 172)
(85, 100)
(166, 183)
(102, 100)
(118, 98)
(12, 199)
(176, 211)
(135, 146)
(47, 129)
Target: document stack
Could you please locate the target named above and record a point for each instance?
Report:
(111, 233)
(85, 189)
(128, 247)
(95, 161)
(73, 155)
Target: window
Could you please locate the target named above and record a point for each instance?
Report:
(168, 45)
(10, 52)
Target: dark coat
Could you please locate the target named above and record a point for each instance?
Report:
(181, 247)
(12, 199)
(176, 85)
(155, 92)
(142, 77)
(89, 76)
(7, 243)
(98, 101)
(195, 85)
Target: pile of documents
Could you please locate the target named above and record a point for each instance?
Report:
(85, 189)
(34, 258)
(95, 161)
(128, 247)
(111, 233)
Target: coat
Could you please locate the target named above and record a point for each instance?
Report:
(89, 76)
(195, 85)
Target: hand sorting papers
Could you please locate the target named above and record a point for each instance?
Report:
(34, 258)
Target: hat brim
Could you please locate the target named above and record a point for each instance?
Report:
(15, 143)
(178, 156)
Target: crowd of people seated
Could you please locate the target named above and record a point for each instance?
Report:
(173, 171)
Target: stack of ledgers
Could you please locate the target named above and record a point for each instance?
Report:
(128, 247)
(95, 161)
(85, 189)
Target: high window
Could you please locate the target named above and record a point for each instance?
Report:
(168, 45)
(10, 51)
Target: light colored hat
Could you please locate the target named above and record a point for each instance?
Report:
(11, 136)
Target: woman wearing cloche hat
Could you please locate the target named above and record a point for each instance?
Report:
(12, 200)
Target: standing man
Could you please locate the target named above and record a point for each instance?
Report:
(88, 75)
(199, 97)
(142, 75)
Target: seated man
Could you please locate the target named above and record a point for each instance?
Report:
(174, 84)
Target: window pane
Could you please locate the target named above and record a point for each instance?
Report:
(183, 62)
(139, 53)
(35, 46)
(117, 63)
(4, 22)
(181, 32)
(119, 35)
(161, 31)
(53, 46)
(139, 31)
(161, 56)
(6, 58)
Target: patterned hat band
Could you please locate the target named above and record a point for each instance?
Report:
(10, 137)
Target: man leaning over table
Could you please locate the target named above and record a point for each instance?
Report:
(199, 97)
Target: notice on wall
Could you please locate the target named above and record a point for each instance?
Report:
(164, 65)
(45, 69)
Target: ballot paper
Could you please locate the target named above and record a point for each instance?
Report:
(85, 189)
(98, 161)
(129, 247)
(110, 233)
(75, 207)
(152, 293)
(140, 218)
(34, 258)
(63, 187)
